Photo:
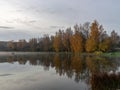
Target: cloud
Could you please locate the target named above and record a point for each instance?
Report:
(5, 74)
(19, 11)
(38, 16)
(14, 35)
(32, 21)
(57, 27)
(6, 27)
(25, 20)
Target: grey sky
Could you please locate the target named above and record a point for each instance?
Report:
(32, 18)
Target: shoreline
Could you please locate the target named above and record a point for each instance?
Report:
(106, 54)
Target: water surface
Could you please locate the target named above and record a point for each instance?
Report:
(46, 71)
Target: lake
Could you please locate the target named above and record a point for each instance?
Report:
(50, 71)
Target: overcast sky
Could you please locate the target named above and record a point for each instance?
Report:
(33, 18)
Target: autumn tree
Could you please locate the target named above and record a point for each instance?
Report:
(89, 37)
(11, 45)
(46, 43)
(77, 40)
(51, 43)
(66, 39)
(57, 44)
(33, 44)
(104, 40)
(21, 45)
(105, 45)
(92, 42)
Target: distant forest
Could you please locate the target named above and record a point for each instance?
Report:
(89, 37)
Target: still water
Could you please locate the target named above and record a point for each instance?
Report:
(41, 71)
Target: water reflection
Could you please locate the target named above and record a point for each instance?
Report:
(101, 73)
(104, 81)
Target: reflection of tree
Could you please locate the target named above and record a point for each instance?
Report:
(91, 64)
(104, 81)
(21, 60)
(78, 66)
(58, 65)
(11, 59)
(73, 66)
(100, 64)
(62, 65)
(99, 68)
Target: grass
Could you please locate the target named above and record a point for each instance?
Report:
(112, 54)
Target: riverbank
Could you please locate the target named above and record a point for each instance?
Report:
(111, 54)
(107, 54)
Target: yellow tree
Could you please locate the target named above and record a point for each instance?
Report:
(56, 43)
(92, 42)
(77, 41)
(91, 45)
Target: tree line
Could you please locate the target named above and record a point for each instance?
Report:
(89, 37)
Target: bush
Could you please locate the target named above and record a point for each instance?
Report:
(98, 52)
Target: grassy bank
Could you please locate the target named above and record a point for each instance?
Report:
(112, 54)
